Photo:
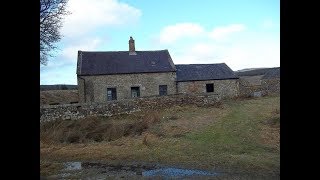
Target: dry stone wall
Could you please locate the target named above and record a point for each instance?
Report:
(267, 87)
(246, 89)
(77, 111)
(271, 86)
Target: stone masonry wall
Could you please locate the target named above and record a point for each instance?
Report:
(96, 86)
(223, 88)
(271, 86)
(246, 89)
(268, 86)
(81, 110)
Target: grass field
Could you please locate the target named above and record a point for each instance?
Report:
(240, 136)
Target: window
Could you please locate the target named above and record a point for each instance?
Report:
(163, 90)
(209, 87)
(135, 91)
(111, 94)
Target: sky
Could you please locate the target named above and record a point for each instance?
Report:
(241, 33)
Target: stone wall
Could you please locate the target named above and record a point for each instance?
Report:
(223, 88)
(267, 86)
(271, 86)
(247, 89)
(76, 111)
(95, 87)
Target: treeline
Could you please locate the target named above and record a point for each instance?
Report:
(58, 87)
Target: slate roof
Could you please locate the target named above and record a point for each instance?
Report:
(120, 62)
(196, 72)
(272, 73)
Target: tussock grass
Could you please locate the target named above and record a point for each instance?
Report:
(96, 129)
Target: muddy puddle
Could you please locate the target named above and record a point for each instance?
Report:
(176, 172)
(90, 170)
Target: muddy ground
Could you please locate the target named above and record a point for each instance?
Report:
(138, 170)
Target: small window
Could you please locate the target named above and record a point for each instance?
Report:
(163, 90)
(135, 91)
(111, 94)
(209, 87)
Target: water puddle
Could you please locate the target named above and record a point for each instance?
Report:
(69, 166)
(176, 172)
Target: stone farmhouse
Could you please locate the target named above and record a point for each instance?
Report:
(116, 75)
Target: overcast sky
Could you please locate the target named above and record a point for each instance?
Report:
(240, 33)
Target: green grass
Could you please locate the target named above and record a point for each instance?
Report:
(235, 138)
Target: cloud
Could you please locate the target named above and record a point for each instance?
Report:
(259, 50)
(219, 33)
(70, 52)
(87, 15)
(247, 49)
(204, 48)
(172, 33)
(68, 55)
(201, 53)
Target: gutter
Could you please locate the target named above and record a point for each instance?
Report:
(84, 88)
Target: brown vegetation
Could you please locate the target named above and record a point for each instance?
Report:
(58, 97)
(96, 129)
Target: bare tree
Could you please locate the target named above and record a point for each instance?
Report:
(52, 13)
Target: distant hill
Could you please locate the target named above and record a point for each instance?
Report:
(58, 97)
(249, 69)
(272, 73)
(253, 71)
(58, 87)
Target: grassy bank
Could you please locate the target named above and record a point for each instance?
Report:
(239, 136)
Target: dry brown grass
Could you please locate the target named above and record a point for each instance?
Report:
(270, 130)
(58, 97)
(49, 168)
(96, 129)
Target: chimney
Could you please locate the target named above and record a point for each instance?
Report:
(132, 49)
